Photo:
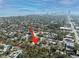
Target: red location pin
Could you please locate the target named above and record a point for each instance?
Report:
(34, 38)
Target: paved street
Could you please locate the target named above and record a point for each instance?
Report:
(74, 30)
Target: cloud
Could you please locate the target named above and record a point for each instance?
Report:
(67, 2)
(26, 9)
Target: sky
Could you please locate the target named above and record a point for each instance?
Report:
(25, 7)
